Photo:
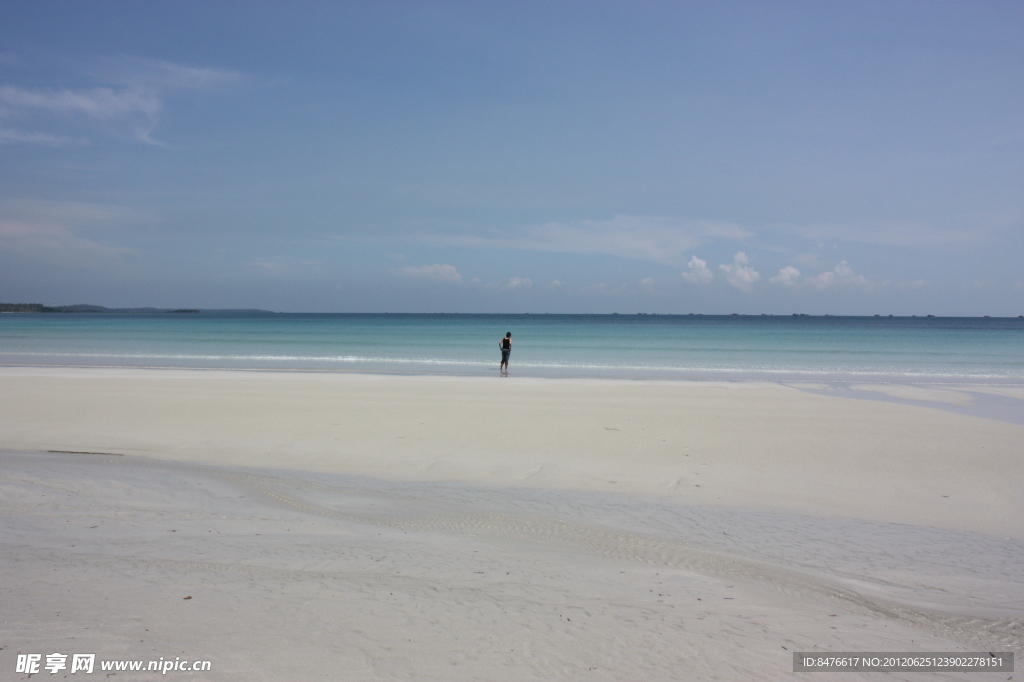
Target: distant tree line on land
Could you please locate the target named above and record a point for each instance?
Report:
(40, 308)
(84, 308)
(23, 308)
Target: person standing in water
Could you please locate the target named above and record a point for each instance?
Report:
(506, 347)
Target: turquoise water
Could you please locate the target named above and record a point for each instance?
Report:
(985, 350)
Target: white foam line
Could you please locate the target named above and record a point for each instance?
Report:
(354, 359)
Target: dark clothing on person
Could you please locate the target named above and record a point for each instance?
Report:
(506, 348)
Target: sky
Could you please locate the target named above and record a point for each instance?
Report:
(840, 157)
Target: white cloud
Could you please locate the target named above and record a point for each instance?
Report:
(137, 72)
(139, 108)
(647, 282)
(132, 93)
(287, 266)
(518, 282)
(50, 240)
(71, 213)
(822, 281)
(652, 238)
(60, 231)
(841, 275)
(739, 273)
(900, 233)
(12, 136)
(788, 276)
(437, 273)
(699, 273)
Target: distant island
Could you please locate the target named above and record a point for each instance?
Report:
(85, 308)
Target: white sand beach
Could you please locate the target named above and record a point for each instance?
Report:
(342, 526)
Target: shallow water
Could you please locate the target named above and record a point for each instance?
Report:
(898, 349)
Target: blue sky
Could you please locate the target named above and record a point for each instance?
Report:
(840, 157)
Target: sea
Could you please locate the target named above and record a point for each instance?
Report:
(939, 350)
